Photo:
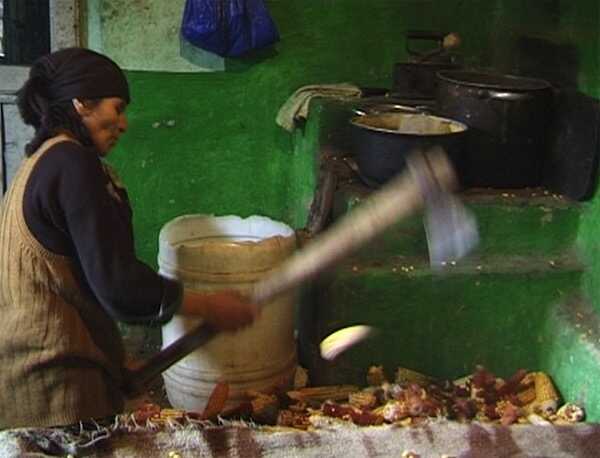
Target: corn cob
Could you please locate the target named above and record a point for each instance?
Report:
(362, 400)
(463, 381)
(544, 387)
(527, 395)
(379, 410)
(171, 413)
(404, 375)
(546, 396)
(395, 411)
(570, 413)
(168, 415)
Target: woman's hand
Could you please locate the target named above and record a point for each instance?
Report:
(224, 310)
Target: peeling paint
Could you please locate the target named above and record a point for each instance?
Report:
(144, 35)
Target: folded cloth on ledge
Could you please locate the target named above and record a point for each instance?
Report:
(296, 107)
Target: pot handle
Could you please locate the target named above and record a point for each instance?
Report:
(445, 41)
(425, 35)
(438, 37)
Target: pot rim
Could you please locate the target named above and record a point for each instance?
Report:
(500, 81)
(355, 121)
(447, 65)
(383, 108)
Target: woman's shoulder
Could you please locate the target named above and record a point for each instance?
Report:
(68, 157)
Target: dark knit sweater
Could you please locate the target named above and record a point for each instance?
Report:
(67, 271)
(75, 208)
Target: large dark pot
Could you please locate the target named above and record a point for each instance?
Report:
(382, 141)
(418, 79)
(507, 118)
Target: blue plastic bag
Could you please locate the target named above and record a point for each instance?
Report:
(229, 28)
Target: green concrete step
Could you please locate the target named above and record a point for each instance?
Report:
(515, 302)
(511, 222)
(439, 322)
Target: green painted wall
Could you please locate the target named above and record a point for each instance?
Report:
(208, 142)
(226, 155)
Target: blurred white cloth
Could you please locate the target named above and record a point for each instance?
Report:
(297, 105)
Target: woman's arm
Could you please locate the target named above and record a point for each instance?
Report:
(223, 310)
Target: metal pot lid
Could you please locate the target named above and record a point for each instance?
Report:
(413, 124)
(493, 80)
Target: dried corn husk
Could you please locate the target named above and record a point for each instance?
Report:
(404, 375)
(362, 399)
(323, 393)
(528, 394)
(300, 378)
(376, 376)
(265, 408)
(216, 401)
(167, 416)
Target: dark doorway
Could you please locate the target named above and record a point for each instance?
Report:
(25, 31)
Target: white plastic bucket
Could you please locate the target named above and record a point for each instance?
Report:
(209, 253)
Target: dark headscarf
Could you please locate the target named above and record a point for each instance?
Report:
(80, 73)
(45, 100)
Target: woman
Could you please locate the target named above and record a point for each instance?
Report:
(68, 268)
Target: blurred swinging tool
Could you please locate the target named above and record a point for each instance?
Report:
(428, 181)
(451, 231)
(450, 227)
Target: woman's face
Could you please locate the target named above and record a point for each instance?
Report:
(105, 120)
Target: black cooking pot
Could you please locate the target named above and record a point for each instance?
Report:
(418, 78)
(507, 118)
(382, 141)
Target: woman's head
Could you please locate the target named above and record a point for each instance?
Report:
(75, 91)
(104, 120)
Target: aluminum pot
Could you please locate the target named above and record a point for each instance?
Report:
(507, 117)
(382, 141)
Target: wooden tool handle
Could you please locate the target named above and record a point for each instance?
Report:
(137, 380)
(400, 197)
